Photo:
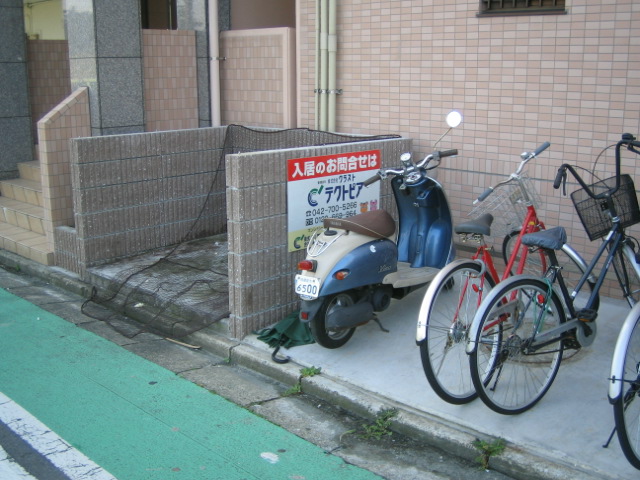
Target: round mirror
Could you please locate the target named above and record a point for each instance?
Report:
(454, 119)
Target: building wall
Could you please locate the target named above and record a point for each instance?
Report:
(257, 77)
(572, 80)
(170, 79)
(49, 79)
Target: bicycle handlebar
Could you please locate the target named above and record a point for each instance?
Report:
(561, 177)
(402, 170)
(526, 156)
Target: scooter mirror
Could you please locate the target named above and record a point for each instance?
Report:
(454, 119)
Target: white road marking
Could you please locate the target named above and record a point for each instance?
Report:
(67, 459)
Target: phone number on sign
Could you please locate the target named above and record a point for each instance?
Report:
(331, 209)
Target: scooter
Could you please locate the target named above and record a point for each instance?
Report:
(356, 265)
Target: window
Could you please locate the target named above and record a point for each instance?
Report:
(158, 14)
(521, 7)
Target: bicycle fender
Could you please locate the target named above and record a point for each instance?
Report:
(477, 319)
(430, 295)
(617, 361)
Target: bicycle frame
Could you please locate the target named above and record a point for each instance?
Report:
(482, 255)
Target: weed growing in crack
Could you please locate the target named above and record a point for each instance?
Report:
(488, 450)
(381, 425)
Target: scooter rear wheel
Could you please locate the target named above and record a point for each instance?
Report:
(324, 337)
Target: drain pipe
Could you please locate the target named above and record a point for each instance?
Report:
(214, 63)
(316, 90)
(332, 48)
(324, 58)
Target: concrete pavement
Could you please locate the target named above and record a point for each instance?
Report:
(561, 437)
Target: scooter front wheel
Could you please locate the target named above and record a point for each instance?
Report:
(324, 337)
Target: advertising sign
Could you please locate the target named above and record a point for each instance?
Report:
(328, 186)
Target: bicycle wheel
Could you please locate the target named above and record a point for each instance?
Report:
(626, 274)
(626, 408)
(449, 307)
(515, 312)
(538, 262)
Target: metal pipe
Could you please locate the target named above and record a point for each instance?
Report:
(324, 57)
(316, 90)
(214, 65)
(332, 48)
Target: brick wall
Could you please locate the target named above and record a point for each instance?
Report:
(135, 193)
(572, 80)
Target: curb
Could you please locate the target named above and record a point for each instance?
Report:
(518, 461)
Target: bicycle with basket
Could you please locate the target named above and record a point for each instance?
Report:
(524, 325)
(452, 298)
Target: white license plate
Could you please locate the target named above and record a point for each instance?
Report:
(307, 286)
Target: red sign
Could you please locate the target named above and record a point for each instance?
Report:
(328, 165)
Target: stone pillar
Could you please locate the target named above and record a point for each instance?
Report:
(192, 15)
(105, 54)
(16, 138)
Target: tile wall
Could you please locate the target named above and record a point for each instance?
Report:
(170, 80)
(257, 77)
(572, 80)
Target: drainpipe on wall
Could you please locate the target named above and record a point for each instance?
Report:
(332, 47)
(214, 65)
(324, 58)
(317, 70)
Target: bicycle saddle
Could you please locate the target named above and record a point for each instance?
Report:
(553, 239)
(479, 226)
(375, 223)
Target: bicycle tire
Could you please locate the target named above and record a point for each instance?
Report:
(516, 380)
(450, 305)
(626, 408)
(626, 274)
(538, 263)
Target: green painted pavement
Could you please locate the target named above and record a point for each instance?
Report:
(136, 419)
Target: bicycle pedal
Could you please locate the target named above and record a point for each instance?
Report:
(587, 315)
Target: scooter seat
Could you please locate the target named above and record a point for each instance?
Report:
(479, 226)
(376, 224)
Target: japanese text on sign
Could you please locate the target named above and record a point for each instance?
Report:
(328, 186)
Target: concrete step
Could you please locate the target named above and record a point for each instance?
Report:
(21, 214)
(28, 191)
(26, 243)
(30, 171)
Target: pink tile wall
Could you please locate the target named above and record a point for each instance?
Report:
(69, 119)
(49, 78)
(257, 77)
(170, 80)
(572, 80)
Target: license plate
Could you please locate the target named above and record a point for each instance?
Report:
(307, 286)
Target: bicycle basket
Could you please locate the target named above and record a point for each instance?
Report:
(510, 202)
(592, 212)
